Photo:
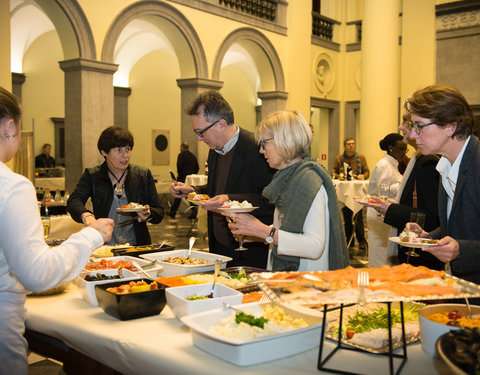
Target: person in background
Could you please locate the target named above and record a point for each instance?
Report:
(44, 160)
(360, 171)
(114, 183)
(418, 192)
(442, 123)
(187, 163)
(386, 173)
(236, 171)
(26, 261)
(307, 233)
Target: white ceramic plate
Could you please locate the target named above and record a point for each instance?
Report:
(411, 244)
(238, 210)
(244, 352)
(133, 209)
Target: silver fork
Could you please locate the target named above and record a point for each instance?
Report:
(363, 280)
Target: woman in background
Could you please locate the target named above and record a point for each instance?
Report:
(114, 183)
(386, 173)
(26, 262)
(307, 232)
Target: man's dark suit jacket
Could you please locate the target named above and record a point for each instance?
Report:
(464, 222)
(426, 177)
(186, 164)
(249, 174)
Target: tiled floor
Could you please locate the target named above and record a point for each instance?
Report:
(177, 232)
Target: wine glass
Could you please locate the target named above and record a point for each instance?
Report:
(419, 218)
(239, 236)
(46, 222)
(384, 191)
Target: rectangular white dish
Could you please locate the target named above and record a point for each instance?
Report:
(181, 306)
(245, 352)
(87, 288)
(173, 269)
(152, 271)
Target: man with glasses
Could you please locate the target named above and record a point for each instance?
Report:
(360, 171)
(442, 123)
(236, 171)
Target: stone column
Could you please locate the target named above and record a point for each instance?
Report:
(120, 106)
(380, 76)
(88, 111)
(191, 87)
(18, 79)
(5, 49)
(273, 101)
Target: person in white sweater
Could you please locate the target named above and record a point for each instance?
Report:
(307, 232)
(26, 261)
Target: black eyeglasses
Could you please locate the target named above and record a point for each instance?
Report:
(263, 141)
(201, 131)
(417, 126)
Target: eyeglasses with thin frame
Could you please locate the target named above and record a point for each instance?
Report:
(263, 141)
(417, 126)
(201, 131)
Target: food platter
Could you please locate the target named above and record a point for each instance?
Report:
(238, 210)
(446, 346)
(411, 244)
(131, 209)
(373, 340)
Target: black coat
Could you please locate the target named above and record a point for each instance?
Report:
(426, 177)
(186, 164)
(139, 188)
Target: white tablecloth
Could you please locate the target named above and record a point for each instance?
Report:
(53, 183)
(196, 179)
(62, 226)
(348, 190)
(162, 344)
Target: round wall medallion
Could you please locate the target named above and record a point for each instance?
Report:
(161, 142)
(324, 73)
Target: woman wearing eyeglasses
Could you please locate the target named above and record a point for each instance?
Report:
(442, 123)
(114, 183)
(26, 261)
(307, 232)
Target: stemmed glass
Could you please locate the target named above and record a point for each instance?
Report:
(46, 226)
(384, 191)
(419, 218)
(239, 236)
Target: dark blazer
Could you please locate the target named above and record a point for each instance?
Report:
(426, 177)
(139, 187)
(248, 175)
(464, 222)
(187, 163)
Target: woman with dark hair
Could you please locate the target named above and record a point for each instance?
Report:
(114, 183)
(26, 261)
(442, 123)
(385, 173)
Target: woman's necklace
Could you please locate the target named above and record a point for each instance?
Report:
(118, 187)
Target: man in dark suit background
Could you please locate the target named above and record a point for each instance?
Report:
(44, 160)
(442, 123)
(237, 171)
(187, 163)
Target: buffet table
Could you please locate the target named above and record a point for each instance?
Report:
(348, 190)
(162, 344)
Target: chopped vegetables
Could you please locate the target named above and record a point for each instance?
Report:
(250, 319)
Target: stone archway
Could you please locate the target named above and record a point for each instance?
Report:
(268, 63)
(144, 9)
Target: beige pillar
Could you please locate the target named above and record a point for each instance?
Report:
(273, 101)
(380, 76)
(190, 88)
(5, 68)
(418, 46)
(88, 111)
(120, 106)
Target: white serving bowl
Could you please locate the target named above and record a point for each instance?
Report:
(430, 331)
(88, 287)
(152, 271)
(181, 306)
(172, 269)
(245, 352)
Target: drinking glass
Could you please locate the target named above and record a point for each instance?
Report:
(239, 236)
(46, 226)
(419, 218)
(384, 191)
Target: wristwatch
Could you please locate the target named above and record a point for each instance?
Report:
(269, 239)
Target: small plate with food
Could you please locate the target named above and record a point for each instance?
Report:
(237, 207)
(364, 200)
(409, 238)
(196, 198)
(131, 207)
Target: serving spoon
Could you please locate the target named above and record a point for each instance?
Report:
(141, 269)
(191, 241)
(218, 264)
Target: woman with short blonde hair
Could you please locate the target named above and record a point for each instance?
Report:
(307, 232)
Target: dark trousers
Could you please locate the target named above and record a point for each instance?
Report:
(349, 219)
